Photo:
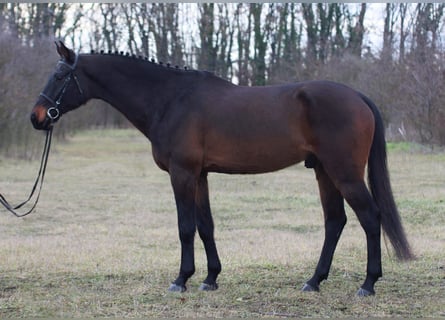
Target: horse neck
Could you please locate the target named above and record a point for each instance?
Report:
(136, 88)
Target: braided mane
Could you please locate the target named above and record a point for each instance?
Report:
(139, 57)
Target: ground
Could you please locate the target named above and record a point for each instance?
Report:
(103, 240)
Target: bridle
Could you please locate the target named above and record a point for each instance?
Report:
(53, 112)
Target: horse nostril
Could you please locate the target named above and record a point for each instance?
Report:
(38, 114)
(35, 121)
(33, 118)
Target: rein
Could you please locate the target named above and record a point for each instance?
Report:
(40, 177)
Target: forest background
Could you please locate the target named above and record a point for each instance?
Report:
(401, 68)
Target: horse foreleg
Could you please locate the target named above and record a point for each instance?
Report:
(206, 233)
(335, 220)
(184, 187)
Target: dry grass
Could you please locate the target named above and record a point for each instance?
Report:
(103, 241)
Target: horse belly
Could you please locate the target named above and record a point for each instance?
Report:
(246, 155)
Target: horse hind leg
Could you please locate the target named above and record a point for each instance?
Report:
(349, 180)
(335, 219)
(357, 195)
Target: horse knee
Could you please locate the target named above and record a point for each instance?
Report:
(187, 235)
(336, 223)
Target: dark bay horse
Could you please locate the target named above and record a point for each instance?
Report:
(199, 123)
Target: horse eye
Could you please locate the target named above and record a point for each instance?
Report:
(60, 75)
(61, 72)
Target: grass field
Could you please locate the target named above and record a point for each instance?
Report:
(103, 240)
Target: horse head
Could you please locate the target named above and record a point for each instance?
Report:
(62, 93)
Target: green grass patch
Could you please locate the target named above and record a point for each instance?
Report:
(400, 146)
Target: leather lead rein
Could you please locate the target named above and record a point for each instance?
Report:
(40, 178)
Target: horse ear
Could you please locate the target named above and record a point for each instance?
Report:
(66, 54)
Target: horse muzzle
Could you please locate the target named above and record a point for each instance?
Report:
(43, 118)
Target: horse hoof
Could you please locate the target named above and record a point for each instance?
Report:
(208, 287)
(308, 288)
(177, 288)
(364, 293)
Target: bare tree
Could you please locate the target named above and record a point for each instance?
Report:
(339, 42)
(141, 14)
(286, 42)
(428, 21)
(164, 26)
(260, 35)
(31, 21)
(243, 42)
(388, 31)
(356, 32)
(111, 30)
(403, 8)
(225, 35)
(208, 49)
(130, 13)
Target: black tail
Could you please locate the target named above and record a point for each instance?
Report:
(379, 183)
